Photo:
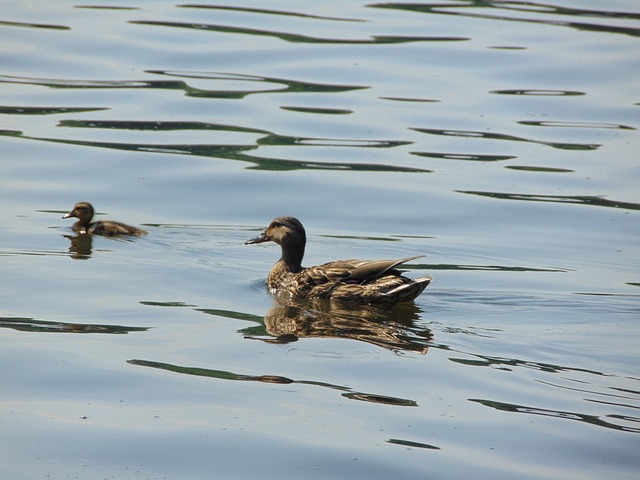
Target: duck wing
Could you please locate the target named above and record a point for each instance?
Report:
(356, 270)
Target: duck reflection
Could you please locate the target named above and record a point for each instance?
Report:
(81, 244)
(390, 327)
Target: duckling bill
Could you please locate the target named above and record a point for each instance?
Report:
(362, 281)
(84, 212)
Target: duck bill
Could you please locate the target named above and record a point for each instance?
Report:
(263, 237)
(68, 215)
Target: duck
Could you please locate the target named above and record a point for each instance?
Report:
(84, 212)
(355, 281)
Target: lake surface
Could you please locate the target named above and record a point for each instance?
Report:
(498, 139)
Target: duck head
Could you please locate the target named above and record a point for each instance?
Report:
(289, 233)
(82, 211)
(283, 231)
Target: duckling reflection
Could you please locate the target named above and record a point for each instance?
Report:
(393, 328)
(81, 245)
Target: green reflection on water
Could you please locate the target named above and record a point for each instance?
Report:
(575, 199)
(268, 12)
(503, 11)
(412, 444)
(236, 152)
(30, 325)
(34, 25)
(591, 419)
(297, 38)
(226, 375)
(524, 168)
(504, 137)
(6, 110)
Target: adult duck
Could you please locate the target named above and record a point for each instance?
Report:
(84, 212)
(361, 281)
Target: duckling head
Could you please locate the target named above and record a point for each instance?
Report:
(82, 211)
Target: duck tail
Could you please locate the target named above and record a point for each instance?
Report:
(409, 291)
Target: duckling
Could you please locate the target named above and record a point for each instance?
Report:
(359, 281)
(83, 211)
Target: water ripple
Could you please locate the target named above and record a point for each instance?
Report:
(104, 7)
(69, 83)
(575, 199)
(504, 137)
(322, 111)
(512, 12)
(225, 375)
(613, 126)
(7, 110)
(266, 11)
(32, 325)
(33, 25)
(591, 419)
(412, 444)
(298, 38)
(286, 85)
(473, 157)
(492, 268)
(530, 168)
(539, 93)
(229, 151)
(395, 328)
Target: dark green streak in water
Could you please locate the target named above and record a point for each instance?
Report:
(577, 199)
(268, 12)
(591, 419)
(33, 25)
(231, 314)
(320, 111)
(297, 38)
(225, 375)
(494, 11)
(287, 85)
(236, 152)
(512, 363)
(411, 444)
(30, 325)
(492, 268)
(46, 110)
(464, 156)
(503, 137)
(523, 168)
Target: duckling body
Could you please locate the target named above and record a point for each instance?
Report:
(84, 211)
(362, 281)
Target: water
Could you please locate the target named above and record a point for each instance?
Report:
(497, 139)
